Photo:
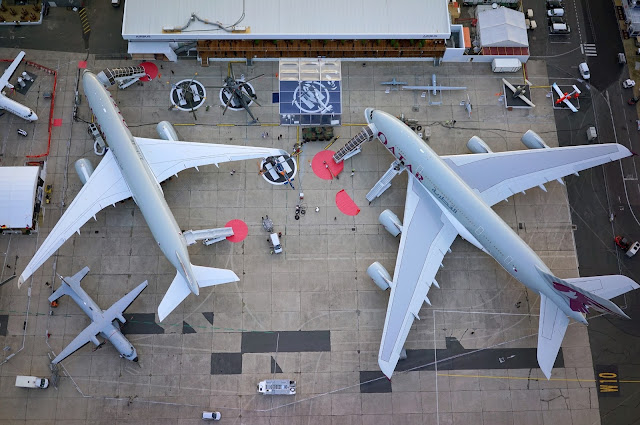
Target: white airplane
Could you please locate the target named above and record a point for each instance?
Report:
(10, 104)
(133, 167)
(102, 322)
(452, 195)
(518, 92)
(434, 87)
(566, 97)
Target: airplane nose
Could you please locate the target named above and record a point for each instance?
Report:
(34, 117)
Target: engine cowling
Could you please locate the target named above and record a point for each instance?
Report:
(166, 131)
(531, 140)
(84, 168)
(379, 275)
(391, 222)
(477, 145)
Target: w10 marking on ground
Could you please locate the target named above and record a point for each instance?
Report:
(608, 381)
(589, 49)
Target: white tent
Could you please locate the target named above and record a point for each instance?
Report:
(18, 186)
(502, 27)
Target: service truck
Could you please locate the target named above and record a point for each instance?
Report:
(31, 382)
(277, 387)
(506, 65)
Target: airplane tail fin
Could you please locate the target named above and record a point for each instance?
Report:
(179, 289)
(595, 292)
(582, 293)
(69, 284)
(64, 289)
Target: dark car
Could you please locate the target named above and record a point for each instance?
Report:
(555, 4)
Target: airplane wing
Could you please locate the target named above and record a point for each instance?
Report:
(116, 310)
(498, 175)
(557, 89)
(570, 105)
(551, 328)
(168, 158)
(426, 236)
(432, 88)
(87, 335)
(105, 186)
(4, 79)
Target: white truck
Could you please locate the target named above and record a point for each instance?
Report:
(506, 65)
(277, 387)
(31, 382)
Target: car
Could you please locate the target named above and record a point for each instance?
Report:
(555, 4)
(584, 70)
(559, 28)
(556, 20)
(628, 83)
(211, 416)
(22, 132)
(555, 12)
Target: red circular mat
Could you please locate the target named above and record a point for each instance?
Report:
(319, 168)
(151, 69)
(240, 230)
(345, 204)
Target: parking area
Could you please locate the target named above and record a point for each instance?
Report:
(311, 313)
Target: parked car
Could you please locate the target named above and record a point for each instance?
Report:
(628, 83)
(211, 416)
(555, 12)
(622, 59)
(22, 132)
(554, 4)
(559, 28)
(584, 70)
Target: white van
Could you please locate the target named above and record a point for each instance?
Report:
(555, 12)
(584, 70)
(31, 382)
(275, 243)
(211, 416)
(559, 29)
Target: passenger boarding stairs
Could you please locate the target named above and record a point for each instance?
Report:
(353, 146)
(385, 181)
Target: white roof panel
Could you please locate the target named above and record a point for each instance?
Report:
(17, 196)
(502, 27)
(279, 19)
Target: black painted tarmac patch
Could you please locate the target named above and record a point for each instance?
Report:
(226, 363)
(456, 357)
(141, 323)
(286, 341)
(209, 316)
(379, 383)
(4, 323)
(275, 367)
(187, 328)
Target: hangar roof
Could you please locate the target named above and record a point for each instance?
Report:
(292, 19)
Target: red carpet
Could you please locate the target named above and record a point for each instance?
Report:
(152, 70)
(240, 230)
(345, 204)
(319, 168)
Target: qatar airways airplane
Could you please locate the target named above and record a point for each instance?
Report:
(452, 195)
(10, 104)
(133, 167)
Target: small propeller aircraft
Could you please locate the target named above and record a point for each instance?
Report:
(566, 97)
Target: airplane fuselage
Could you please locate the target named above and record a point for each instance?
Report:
(463, 204)
(139, 177)
(113, 334)
(17, 109)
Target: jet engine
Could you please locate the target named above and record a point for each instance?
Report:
(391, 222)
(531, 140)
(477, 145)
(167, 132)
(84, 169)
(380, 275)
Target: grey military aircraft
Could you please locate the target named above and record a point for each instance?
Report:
(134, 167)
(237, 93)
(394, 83)
(103, 323)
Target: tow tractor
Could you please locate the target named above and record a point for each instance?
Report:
(630, 248)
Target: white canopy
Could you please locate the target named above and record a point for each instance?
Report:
(18, 187)
(502, 27)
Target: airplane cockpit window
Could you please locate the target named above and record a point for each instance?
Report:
(30, 114)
